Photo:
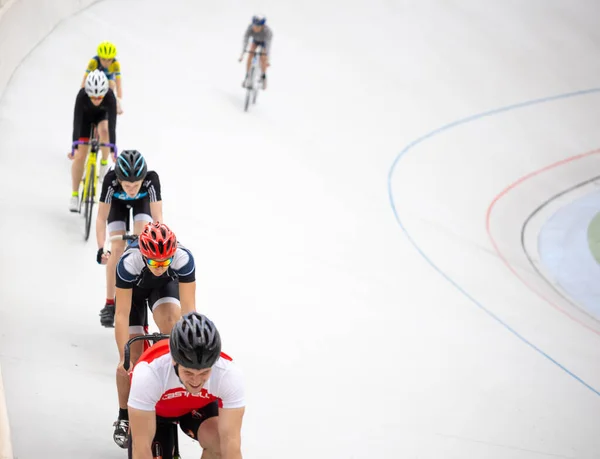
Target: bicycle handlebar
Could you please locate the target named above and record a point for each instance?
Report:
(152, 337)
(255, 52)
(100, 144)
(123, 237)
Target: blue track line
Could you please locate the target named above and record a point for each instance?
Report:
(440, 130)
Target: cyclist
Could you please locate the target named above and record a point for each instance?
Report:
(105, 60)
(129, 185)
(187, 380)
(156, 272)
(261, 36)
(95, 105)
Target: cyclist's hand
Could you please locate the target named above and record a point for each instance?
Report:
(121, 371)
(241, 57)
(119, 107)
(102, 257)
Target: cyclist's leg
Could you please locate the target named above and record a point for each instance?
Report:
(141, 215)
(80, 154)
(116, 225)
(137, 319)
(263, 67)
(103, 137)
(202, 425)
(165, 306)
(163, 442)
(263, 61)
(250, 56)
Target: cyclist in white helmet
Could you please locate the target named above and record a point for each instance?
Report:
(262, 36)
(95, 104)
(106, 61)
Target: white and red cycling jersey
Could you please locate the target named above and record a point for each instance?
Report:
(156, 387)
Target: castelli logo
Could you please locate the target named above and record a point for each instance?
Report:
(184, 393)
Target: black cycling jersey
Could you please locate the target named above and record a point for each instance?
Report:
(86, 114)
(132, 271)
(112, 189)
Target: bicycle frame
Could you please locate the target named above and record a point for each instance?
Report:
(92, 161)
(90, 180)
(92, 155)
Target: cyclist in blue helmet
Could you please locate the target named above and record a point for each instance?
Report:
(262, 36)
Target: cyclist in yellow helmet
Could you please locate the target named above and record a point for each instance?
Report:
(105, 60)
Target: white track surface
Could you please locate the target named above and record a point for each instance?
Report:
(352, 345)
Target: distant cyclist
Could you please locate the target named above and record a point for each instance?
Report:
(95, 104)
(158, 273)
(105, 60)
(189, 381)
(261, 36)
(129, 185)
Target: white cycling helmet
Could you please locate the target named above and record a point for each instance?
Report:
(96, 84)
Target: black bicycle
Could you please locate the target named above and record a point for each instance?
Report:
(157, 452)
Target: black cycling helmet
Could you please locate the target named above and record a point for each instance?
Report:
(131, 166)
(195, 342)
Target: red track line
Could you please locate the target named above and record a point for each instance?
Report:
(503, 258)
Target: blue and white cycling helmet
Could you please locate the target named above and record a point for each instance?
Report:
(259, 19)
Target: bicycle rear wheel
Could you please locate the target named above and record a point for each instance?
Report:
(89, 201)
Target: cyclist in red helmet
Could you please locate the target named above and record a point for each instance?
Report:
(156, 272)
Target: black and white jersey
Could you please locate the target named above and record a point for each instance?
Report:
(112, 189)
(132, 270)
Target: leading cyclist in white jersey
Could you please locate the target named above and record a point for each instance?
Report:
(187, 380)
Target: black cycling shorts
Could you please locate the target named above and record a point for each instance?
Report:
(118, 215)
(89, 119)
(144, 298)
(164, 439)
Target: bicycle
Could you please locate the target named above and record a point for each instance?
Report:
(156, 450)
(253, 79)
(89, 183)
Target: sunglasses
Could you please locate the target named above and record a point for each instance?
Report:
(158, 264)
(96, 98)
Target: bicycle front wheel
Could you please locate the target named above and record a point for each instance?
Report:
(89, 201)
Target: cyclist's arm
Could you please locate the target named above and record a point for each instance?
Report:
(78, 114)
(246, 38)
(156, 211)
(230, 427)
(119, 88)
(187, 297)
(268, 39)
(143, 429)
(155, 196)
(112, 117)
(116, 69)
(103, 211)
(122, 310)
(92, 65)
(101, 218)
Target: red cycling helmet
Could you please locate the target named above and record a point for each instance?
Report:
(157, 241)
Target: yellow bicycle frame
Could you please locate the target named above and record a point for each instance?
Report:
(92, 160)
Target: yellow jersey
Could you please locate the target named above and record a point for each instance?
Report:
(112, 72)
